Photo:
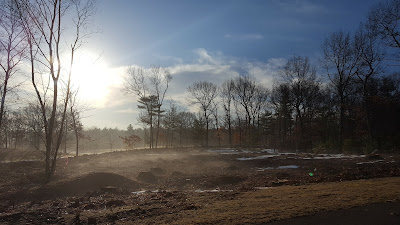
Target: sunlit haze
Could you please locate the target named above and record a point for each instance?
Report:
(94, 78)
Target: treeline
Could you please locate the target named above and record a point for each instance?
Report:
(349, 101)
(300, 113)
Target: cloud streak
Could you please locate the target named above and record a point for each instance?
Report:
(245, 37)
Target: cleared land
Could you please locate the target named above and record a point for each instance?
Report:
(197, 186)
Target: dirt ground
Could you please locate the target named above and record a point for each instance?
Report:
(196, 186)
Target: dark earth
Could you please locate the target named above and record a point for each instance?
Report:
(147, 186)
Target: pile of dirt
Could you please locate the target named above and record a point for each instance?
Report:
(79, 186)
(147, 177)
(157, 171)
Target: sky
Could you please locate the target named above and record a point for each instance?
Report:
(199, 40)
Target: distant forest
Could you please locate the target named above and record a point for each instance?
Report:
(348, 101)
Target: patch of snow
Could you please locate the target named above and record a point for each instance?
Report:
(264, 169)
(335, 156)
(262, 188)
(211, 191)
(144, 191)
(257, 157)
(270, 151)
(224, 151)
(279, 167)
(247, 151)
(138, 192)
(370, 162)
(288, 167)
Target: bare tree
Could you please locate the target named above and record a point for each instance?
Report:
(44, 23)
(203, 94)
(341, 61)
(12, 48)
(214, 112)
(171, 123)
(75, 111)
(150, 86)
(151, 107)
(34, 125)
(160, 79)
(383, 19)
(281, 100)
(300, 75)
(245, 88)
(227, 91)
(185, 123)
(252, 97)
(371, 58)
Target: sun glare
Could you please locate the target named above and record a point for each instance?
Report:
(93, 77)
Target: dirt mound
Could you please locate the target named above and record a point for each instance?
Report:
(80, 186)
(157, 171)
(147, 177)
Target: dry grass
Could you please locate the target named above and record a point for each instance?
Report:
(290, 201)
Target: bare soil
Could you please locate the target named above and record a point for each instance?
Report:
(196, 186)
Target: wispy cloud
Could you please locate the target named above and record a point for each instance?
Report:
(300, 6)
(244, 37)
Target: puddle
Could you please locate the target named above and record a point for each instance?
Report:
(277, 168)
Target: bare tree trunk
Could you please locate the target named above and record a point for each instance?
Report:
(207, 124)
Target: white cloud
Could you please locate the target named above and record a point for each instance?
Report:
(217, 68)
(121, 109)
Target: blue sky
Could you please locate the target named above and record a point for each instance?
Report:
(148, 32)
(213, 40)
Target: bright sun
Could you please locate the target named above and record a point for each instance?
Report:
(93, 77)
